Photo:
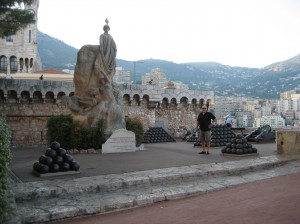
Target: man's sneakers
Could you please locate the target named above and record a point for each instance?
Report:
(203, 152)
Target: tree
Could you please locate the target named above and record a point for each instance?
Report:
(13, 17)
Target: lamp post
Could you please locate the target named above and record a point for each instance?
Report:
(134, 69)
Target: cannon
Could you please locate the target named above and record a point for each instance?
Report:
(262, 134)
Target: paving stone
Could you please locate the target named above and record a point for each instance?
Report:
(55, 200)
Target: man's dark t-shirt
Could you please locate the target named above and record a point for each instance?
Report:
(204, 120)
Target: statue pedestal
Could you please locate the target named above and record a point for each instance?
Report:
(120, 141)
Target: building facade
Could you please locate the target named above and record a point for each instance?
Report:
(19, 53)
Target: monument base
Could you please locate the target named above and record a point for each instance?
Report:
(121, 140)
(54, 174)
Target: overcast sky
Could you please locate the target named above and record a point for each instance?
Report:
(250, 33)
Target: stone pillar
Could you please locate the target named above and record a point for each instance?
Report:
(8, 66)
(288, 142)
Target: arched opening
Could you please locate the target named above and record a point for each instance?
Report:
(71, 94)
(12, 96)
(165, 103)
(26, 64)
(126, 99)
(184, 101)
(201, 103)
(37, 97)
(60, 95)
(25, 97)
(145, 100)
(1, 96)
(3, 64)
(31, 62)
(194, 102)
(173, 102)
(49, 97)
(136, 100)
(13, 64)
(21, 64)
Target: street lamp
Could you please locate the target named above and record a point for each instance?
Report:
(134, 68)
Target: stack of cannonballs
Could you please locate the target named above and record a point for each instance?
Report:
(56, 159)
(192, 138)
(239, 146)
(156, 135)
(220, 136)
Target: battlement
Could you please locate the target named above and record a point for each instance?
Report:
(27, 105)
(41, 91)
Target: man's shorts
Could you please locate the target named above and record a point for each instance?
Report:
(205, 136)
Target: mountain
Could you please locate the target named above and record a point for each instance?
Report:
(265, 83)
(54, 53)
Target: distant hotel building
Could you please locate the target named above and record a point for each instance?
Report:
(274, 121)
(122, 76)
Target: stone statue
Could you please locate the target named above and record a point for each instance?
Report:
(109, 49)
(95, 97)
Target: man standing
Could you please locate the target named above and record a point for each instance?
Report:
(204, 123)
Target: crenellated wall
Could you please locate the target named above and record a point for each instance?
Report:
(27, 104)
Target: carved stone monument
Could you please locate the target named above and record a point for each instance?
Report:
(120, 141)
(95, 97)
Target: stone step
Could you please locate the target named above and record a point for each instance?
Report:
(54, 201)
(113, 182)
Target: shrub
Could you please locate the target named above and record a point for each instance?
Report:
(71, 134)
(61, 128)
(5, 157)
(90, 138)
(136, 126)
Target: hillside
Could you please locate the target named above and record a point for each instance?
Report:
(225, 80)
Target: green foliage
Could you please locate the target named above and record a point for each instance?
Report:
(5, 157)
(70, 134)
(136, 126)
(89, 138)
(61, 128)
(13, 18)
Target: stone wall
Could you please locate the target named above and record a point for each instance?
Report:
(288, 142)
(27, 104)
(28, 121)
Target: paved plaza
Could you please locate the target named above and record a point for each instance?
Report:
(154, 156)
(160, 173)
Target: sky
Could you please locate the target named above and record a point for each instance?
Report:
(247, 33)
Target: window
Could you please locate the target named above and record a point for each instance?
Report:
(9, 38)
(13, 64)
(29, 36)
(3, 63)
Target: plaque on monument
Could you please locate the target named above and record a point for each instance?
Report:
(121, 140)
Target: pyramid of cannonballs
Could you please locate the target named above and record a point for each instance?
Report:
(56, 159)
(239, 146)
(220, 136)
(156, 135)
(192, 138)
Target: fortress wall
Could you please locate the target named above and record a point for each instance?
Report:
(27, 117)
(28, 121)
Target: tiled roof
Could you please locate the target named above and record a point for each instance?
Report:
(50, 71)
